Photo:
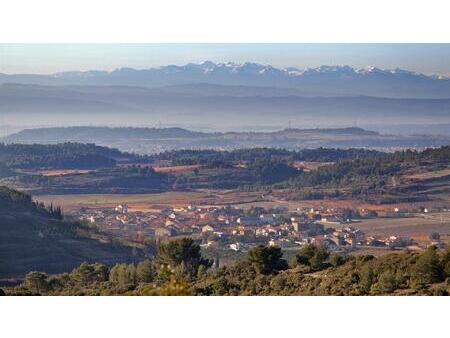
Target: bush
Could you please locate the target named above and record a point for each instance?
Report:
(428, 268)
(123, 275)
(337, 260)
(36, 281)
(387, 282)
(145, 271)
(367, 279)
(87, 274)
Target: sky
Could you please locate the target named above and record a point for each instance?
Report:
(52, 58)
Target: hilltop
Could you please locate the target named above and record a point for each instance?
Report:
(155, 140)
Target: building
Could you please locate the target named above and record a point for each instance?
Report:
(266, 219)
(298, 226)
(207, 228)
(235, 246)
(121, 208)
(248, 220)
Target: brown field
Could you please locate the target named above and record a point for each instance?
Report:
(332, 203)
(175, 169)
(135, 201)
(431, 174)
(308, 166)
(377, 252)
(419, 228)
(59, 172)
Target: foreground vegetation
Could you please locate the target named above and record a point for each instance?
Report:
(178, 268)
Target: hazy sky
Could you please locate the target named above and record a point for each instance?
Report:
(50, 58)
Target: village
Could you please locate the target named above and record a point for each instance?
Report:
(237, 229)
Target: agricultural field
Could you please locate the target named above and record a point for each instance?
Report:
(76, 201)
(310, 165)
(175, 169)
(430, 174)
(61, 172)
(418, 227)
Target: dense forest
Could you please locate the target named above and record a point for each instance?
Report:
(61, 156)
(352, 173)
(5, 171)
(11, 199)
(336, 173)
(363, 177)
(249, 169)
(178, 268)
(132, 179)
(217, 159)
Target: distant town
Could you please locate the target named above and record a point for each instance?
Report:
(236, 229)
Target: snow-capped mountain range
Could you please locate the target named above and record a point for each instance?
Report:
(249, 68)
(319, 81)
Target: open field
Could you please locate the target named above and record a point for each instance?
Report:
(417, 227)
(174, 169)
(142, 202)
(431, 174)
(310, 165)
(62, 172)
(270, 202)
(75, 201)
(55, 172)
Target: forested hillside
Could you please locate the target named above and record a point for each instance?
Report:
(35, 237)
(388, 174)
(214, 158)
(304, 174)
(61, 156)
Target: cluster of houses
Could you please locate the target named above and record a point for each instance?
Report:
(236, 229)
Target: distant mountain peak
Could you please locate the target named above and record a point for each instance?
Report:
(253, 68)
(325, 80)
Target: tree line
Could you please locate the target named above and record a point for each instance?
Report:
(178, 268)
(62, 156)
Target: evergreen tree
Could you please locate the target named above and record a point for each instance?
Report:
(181, 251)
(145, 271)
(266, 260)
(36, 282)
(428, 268)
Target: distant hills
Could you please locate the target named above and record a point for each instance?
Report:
(323, 80)
(227, 96)
(155, 140)
(99, 134)
(199, 104)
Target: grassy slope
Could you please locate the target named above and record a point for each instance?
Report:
(31, 241)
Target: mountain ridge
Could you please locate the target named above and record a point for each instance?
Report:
(340, 80)
(200, 102)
